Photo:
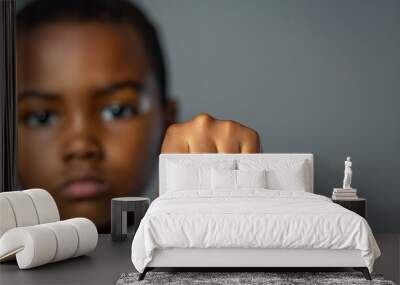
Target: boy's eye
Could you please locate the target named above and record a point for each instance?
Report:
(40, 119)
(116, 112)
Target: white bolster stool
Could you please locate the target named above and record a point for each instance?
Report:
(31, 231)
(40, 244)
(26, 208)
(23, 209)
(7, 218)
(45, 206)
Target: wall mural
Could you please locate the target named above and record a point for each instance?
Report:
(93, 105)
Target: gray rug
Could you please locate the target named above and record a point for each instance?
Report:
(225, 278)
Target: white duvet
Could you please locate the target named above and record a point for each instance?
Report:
(251, 218)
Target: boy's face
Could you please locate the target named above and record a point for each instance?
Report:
(85, 133)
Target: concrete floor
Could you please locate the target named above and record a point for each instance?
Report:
(389, 262)
(110, 260)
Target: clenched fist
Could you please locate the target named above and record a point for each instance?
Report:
(205, 134)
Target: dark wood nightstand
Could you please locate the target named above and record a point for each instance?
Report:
(358, 206)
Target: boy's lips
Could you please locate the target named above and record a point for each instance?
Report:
(83, 188)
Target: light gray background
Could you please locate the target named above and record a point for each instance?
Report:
(310, 76)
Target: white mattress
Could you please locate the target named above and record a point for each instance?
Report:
(252, 218)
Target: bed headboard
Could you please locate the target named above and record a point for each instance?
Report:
(270, 157)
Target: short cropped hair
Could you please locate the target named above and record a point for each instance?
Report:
(40, 12)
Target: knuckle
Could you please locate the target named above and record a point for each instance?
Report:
(254, 135)
(203, 117)
(230, 126)
(172, 129)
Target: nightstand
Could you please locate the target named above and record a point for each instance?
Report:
(358, 206)
(120, 208)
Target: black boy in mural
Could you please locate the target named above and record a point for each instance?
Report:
(92, 103)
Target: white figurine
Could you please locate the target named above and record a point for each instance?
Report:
(348, 173)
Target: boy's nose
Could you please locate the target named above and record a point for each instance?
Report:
(81, 140)
(82, 148)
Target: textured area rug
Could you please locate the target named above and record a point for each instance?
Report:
(225, 278)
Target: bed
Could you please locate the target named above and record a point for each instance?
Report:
(247, 211)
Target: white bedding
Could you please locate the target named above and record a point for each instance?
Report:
(250, 218)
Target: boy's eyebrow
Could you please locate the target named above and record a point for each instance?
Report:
(37, 94)
(136, 85)
(108, 89)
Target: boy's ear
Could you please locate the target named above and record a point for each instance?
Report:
(170, 112)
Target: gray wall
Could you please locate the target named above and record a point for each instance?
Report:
(309, 76)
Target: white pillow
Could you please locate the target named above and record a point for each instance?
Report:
(182, 178)
(282, 174)
(188, 175)
(237, 179)
(223, 179)
(251, 178)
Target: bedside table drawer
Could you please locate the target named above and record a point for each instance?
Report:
(357, 206)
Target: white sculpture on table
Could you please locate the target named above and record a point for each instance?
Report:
(348, 173)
